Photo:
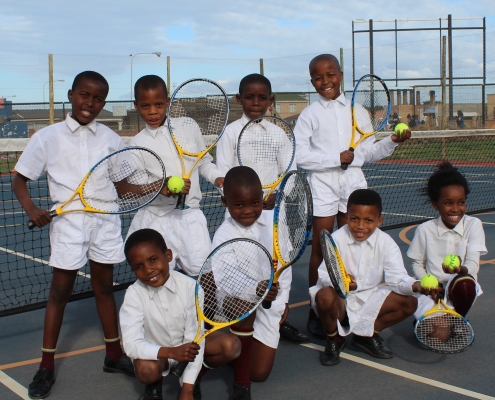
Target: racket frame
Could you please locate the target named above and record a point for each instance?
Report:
(344, 276)
(180, 150)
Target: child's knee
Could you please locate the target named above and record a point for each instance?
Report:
(147, 371)
(261, 374)
(410, 305)
(232, 347)
(326, 299)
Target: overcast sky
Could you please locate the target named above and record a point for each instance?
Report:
(245, 30)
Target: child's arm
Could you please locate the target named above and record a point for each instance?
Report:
(417, 252)
(226, 155)
(36, 215)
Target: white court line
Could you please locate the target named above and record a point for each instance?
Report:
(408, 215)
(395, 185)
(404, 374)
(27, 257)
(488, 223)
(14, 386)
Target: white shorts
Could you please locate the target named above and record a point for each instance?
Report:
(332, 188)
(426, 303)
(75, 237)
(185, 233)
(267, 323)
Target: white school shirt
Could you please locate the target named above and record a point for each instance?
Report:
(371, 262)
(66, 151)
(151, 318)
(324, 130)
(262, 232)
(433, 241)
(160, 141)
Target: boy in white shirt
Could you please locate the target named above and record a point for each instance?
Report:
(185, 231)
(158, 321)
(369, 256)
(323, 134)
(66, 151)
(255, 96)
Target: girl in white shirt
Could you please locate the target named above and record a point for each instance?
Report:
(452, 232)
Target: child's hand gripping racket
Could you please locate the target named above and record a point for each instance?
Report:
(123, 181)
(341, 280)
(232, 283)
(198, 114)
(370, 109)
(268, 146)
(292, 222)
(443, 330)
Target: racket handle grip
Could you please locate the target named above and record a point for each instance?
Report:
(266, 304)
(31, 224)
(181, 202)
(178, 369)
(344, 166)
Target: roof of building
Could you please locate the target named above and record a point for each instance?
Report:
(290, 97)
(44, 114)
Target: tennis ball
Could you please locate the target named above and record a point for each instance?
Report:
(429, 281)
(175, 184)
(451, 261)
(400, 128)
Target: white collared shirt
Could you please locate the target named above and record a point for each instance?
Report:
(160, 141)
(262, 232)
(151, 318)
(66, 151)
(433, 241)
(371, 262)
(324, 130)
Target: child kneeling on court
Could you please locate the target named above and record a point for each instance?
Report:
(243, 195)
(158, 321)
(369, 256)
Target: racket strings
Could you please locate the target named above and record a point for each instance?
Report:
(445, 333)
(332, 264)
(234, 280)
(370, 104)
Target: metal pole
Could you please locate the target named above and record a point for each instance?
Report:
(50, 86)
(396, 58)
(451, 78)
(168, 76)
(443, 74)
(371, 46)
(483, 104)
(353, 57)
(262, 70)
(342, 69)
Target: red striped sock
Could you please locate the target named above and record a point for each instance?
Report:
(242, 363)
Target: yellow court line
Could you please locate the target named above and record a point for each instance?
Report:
(403, 233)
(404, 374)
(302, 303)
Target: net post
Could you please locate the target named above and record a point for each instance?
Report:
(444, 73)
(168, 76)
(50, 79)
(262, 69)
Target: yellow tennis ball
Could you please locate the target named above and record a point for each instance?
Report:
(400, 128)
(429, 281)
(175, 184)
(451, 261)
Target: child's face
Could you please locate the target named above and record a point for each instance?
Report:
(326, 77)
(150, 263)
(451, 205)
(245, 204)
(87, 99)
(152, 106)
(363, 220)
(255, 99)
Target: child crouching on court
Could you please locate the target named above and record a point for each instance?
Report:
(243, 195)
(158, 321)
(370, 256)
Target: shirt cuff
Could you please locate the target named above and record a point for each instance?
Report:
(149, 351)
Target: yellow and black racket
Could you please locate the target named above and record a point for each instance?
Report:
(123, 181)
(370, 109)
(292, 222)
(234, 280)
(335, 267)
(197, 116)
(443, 330)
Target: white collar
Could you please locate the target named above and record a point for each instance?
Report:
(74, 125)
(169, 284)
(327, 102)
(371, 240)
(153, 131)
(260, 221)
(442, 229)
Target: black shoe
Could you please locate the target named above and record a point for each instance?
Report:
(152, 392)
(123, 364)
(241, 393)
(197, 389)
(315, 327)
(332, 351)
(372, 345)
(41, 385)
(290, 334)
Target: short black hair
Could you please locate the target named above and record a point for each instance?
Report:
(365, 197)
(320, 57)
(254, 78)
(149, 82)
(240, 176)
(444, 175)
(144, 236)
(90, 75)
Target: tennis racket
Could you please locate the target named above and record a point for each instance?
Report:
(443, 330)
(197, 116)
(268, 146)
(292, 222)
(370, 109)
(338, 274)
(123, 181)
(234, 280)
